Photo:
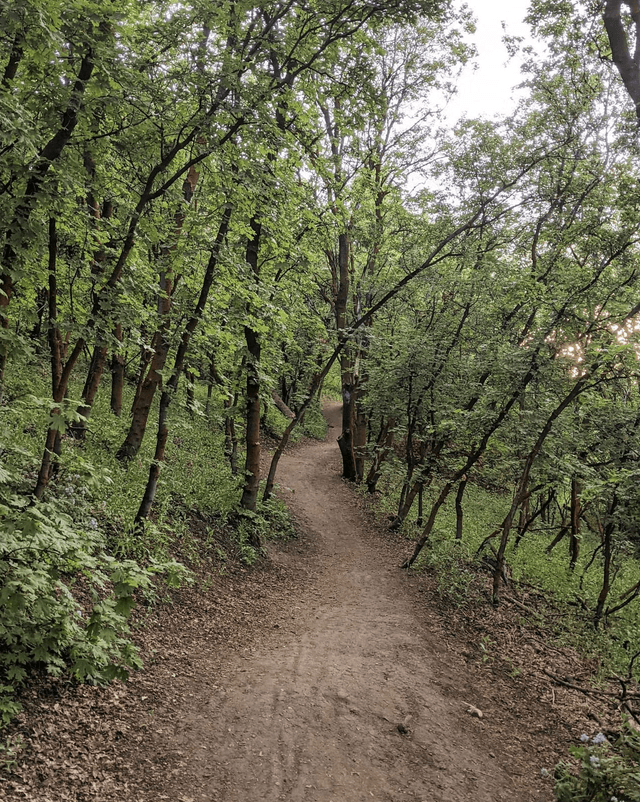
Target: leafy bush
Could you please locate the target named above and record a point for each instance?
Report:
(605, 773)
(64, 602)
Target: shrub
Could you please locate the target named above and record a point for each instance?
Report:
(605, 773)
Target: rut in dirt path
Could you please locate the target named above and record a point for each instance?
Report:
(313, 713)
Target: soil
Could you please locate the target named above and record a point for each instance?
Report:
(328, 674)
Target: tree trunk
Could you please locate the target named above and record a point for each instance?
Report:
(117, 374)
(78, 429)
(620, 51)
(429, 525)
(160, 345)
(154, 471)
(524, 516)
(172, 384)
(383, 449)
(249, 498)
(347, 376)
(574, 541)
(606, 568)
(41, 302)
(564, 528)
(359, 432)
(345, 440)
(47, 156)
(190, 376)
(419, 520)
(280, 404)
(145, 358)
(459, 511)
(407, 501)
(230, 438)
(59, 373)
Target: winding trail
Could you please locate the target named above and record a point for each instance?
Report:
(312, 713)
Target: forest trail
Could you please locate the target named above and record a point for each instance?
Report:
(312, 713)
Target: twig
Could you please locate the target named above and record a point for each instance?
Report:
(588, 691)
(523, 606)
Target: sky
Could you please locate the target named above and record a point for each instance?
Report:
(488, 90)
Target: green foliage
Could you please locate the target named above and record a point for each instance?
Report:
(271, 521)
(604, 772)
(450, 561)
(571, 593)
(315, 424)
(64, 602)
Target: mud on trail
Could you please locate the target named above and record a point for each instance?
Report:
(328, 674)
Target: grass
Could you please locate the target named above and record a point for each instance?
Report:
(568, 592)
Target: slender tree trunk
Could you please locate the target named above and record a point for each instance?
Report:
(521, 493)
(383, 449)
(347, 367)
(160, 345)
(178, 365)
(524, 515)
(395, 523)
(606, 577)
(574, 541)
(564, 528)
(424, 538)
(459, 511)
(249, 498)
(230, 438)
(403, 511)
(282, 406)
(191, 390)
(154, 471)
(117, 374)
(42, 301)
(49, 154)
(78, 429)
(210, 383)
(606, 567)
(145, 358)
(59, 373)
(359, 434)
(408, 500)
(346, 439)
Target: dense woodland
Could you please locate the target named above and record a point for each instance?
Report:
(213, 212)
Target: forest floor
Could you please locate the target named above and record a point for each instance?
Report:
(327, 675)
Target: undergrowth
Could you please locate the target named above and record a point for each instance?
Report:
(573, 593)
(313, 425)
(601, 771)
(72, 566)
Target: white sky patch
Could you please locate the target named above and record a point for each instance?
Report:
(488, 90)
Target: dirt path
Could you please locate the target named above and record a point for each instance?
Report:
(312, 713)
